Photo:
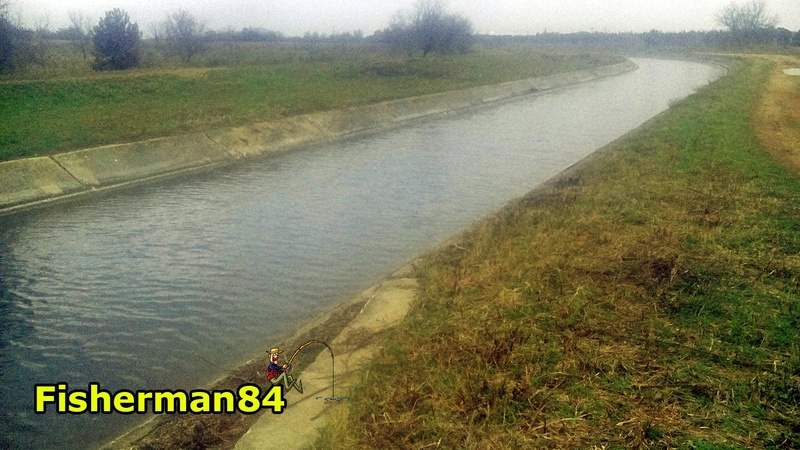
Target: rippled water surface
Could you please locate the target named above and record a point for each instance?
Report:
(145, 288)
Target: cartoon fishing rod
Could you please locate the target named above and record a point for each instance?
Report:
(279, 374)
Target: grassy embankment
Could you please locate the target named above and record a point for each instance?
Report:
(653, 301)
(73, 108)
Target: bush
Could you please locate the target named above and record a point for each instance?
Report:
(8, 44)
(15, 42)
(116, 42)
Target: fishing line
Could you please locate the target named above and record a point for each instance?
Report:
(231, 373)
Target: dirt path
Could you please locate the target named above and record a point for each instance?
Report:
(296, 427)
(778, 118)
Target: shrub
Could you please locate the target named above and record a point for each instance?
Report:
(15, 42)
(116, 42)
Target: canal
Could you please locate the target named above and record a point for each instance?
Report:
(141, 289)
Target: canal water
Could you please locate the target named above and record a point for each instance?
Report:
(160, 286)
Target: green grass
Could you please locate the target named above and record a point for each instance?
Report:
(70, 108)
(654, 301)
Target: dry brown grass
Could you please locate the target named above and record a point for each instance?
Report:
(649, 301)
(778, 117)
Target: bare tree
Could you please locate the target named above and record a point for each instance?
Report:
(746, 20)
(80, 30)
(427, 19)
(184, 33)
(42, 24)
(428, 27)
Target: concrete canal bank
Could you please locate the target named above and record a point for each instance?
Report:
(36, 181)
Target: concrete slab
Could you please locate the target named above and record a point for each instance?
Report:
(267, 137)
(33, 179)
(792, 72)
(351, 120)
(103, 166)
(387, 303)
(614, 69)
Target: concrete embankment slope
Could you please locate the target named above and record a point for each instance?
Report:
(36, 181)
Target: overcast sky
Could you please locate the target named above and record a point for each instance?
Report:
(294, 17)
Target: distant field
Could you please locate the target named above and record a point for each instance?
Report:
(651, 302)
(69, 107)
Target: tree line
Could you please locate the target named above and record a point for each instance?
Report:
(115, 41)
(745, 25)
(656, 40)
(426, 28)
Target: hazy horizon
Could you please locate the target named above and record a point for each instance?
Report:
(294, 18)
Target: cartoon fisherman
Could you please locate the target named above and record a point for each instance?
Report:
(278, 374)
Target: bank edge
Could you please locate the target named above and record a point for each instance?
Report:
(39, 181)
